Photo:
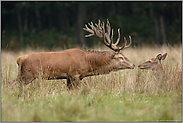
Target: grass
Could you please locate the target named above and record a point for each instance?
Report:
(122, 96)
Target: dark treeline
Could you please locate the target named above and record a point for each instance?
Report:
(60, 24)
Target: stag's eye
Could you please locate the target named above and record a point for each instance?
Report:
(121, 58)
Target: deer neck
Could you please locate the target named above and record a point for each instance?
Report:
(99, 62)
(158, 70)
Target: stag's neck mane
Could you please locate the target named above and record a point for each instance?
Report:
(99, 61)
(93, 51)
(99, 56)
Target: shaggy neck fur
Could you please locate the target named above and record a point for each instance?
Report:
(99, 61)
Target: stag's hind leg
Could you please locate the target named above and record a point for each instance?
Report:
(25, 80)
(26, 76)
(17, 81)
(21, 81)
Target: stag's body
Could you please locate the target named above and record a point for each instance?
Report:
(72, 64)
(75, 64)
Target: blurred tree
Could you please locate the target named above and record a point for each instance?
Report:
(159, 21)
(19, 6)
(37, 7)
(51, 23)
(80, 39)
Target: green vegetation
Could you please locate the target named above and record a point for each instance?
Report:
(126, 95)
(100, 106)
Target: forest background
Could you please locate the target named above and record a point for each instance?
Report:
(60, 24)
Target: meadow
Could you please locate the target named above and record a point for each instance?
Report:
(122, 96)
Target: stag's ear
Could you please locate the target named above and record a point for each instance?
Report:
(163, 56)
(158, 57)
(113, 55)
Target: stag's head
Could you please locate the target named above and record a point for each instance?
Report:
(118, 59)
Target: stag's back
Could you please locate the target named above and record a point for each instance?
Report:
(53, 63)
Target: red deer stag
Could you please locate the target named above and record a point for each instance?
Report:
(75, 64)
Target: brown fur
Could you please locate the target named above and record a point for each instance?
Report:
(72, 64)
(155, 65)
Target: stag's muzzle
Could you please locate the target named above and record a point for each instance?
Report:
(133, 66)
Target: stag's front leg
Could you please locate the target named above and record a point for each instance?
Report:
(69, 86)
(72, 83)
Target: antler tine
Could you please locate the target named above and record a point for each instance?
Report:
(118, 38)
(100, 28)
(91, 23)
(107, 34)
(103, 32)
(129, 43)
(125, 41)
(89, 35)
(124, 45)
(88, 30)
(96, 25)
(103, 28)
(111, 38)
(108, 28)
(92, 26)
(99, 31)
(120, 48)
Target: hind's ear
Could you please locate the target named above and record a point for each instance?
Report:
(163, 56)
(159, 56)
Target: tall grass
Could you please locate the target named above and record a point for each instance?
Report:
(126, 95)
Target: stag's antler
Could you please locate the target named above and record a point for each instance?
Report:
(99, 31)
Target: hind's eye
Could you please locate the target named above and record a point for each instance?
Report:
(121, 58)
